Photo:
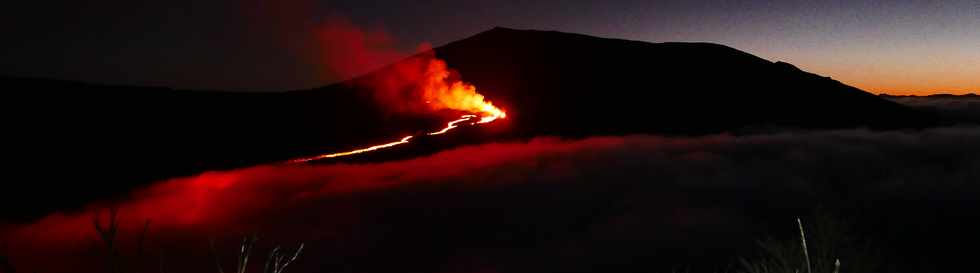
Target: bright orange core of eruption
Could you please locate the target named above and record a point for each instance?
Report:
(439, 92)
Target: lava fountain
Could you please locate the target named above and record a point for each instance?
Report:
(439, 92)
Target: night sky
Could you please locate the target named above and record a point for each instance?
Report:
(900, 47)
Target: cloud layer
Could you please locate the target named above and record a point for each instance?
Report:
(569, 203)
(963, 108)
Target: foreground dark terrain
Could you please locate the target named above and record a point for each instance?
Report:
(616, 156)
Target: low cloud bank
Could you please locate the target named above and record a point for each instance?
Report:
(571, 204)
(964, 108)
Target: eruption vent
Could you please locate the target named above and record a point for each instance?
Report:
(438, 88)
(441, 92)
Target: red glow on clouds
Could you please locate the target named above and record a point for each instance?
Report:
(353, 208)
(217, 202)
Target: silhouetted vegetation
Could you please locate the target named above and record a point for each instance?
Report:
(823, 245)
(277, 261)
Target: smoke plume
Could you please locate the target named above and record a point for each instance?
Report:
(420, 83)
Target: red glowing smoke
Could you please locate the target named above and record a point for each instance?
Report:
(348, 50)
(189, 209)
(420, 83)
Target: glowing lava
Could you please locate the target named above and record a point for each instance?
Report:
(449, 126)
(368, 149)
(439, 92)
(452, 125)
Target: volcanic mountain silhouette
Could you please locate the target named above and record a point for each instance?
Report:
(79, 141)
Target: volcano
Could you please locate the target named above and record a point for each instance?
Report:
(551, 83)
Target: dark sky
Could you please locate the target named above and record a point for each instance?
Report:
(881, 46)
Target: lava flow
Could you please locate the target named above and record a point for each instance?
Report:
(451, 125)
(439, 93)
(368, 149)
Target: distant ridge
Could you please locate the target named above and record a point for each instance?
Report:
(954, 109)
(940, 95)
